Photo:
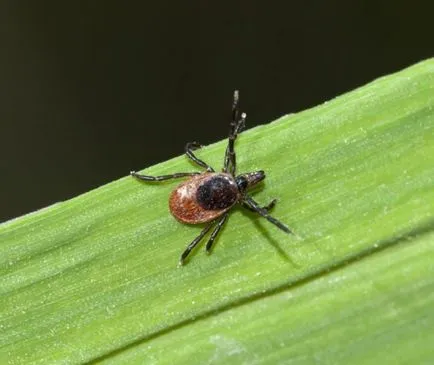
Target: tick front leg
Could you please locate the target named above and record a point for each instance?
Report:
(236, 126)
(194, 243)
(163, 177)
(189, 148)
(216, 231)
(267, 207)
(270, 205)
(255, 206)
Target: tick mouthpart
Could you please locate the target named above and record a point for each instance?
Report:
(255, 177)
(249, 179)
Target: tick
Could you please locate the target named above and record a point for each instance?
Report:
(207, 197)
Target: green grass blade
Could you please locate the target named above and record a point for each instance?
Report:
(96, 278)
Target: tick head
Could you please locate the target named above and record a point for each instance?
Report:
(249, 179)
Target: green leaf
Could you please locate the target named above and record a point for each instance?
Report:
(96, 278)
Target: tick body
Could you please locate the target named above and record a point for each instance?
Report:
(203, 198)
(207, 197)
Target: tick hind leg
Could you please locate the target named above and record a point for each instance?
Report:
(216, 231)
(218, 226)
(237, 124)
(189, 148)
(195, 242)
(163, 177)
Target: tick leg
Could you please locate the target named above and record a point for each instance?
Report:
(163, 177)
(270, 205)
(237, 124)
(194, 243)
(267, 207)
(252, 204)
(216, 231)
(189, 148)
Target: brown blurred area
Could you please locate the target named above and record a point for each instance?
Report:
(92, 89)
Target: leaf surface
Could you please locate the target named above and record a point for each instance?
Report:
(95, 278)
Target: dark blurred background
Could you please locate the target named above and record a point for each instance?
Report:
(92, 89)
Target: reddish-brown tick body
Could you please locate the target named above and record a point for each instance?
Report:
(203, 197)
